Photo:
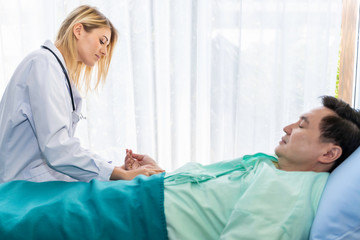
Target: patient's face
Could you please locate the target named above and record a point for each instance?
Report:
(300, 147)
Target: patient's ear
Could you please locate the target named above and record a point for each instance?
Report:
(331, 155)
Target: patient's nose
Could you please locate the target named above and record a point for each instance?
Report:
(287, 129)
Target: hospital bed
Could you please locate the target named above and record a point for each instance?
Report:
(338, 215)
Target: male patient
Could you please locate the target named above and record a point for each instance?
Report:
(260, 196)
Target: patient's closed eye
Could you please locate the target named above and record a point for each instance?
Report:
(304, 121)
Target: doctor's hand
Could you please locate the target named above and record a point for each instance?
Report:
(121, 174)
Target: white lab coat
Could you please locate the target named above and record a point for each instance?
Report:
(37, 126)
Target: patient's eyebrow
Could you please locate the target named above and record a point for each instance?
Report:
(305, 119)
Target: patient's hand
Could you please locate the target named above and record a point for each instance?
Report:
(135, 161)
(130, 162)
(120, 173)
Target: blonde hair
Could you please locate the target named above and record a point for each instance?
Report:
(91, 19)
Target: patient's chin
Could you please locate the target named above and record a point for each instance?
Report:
(278, 150)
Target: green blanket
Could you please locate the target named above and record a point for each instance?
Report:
(96, 210)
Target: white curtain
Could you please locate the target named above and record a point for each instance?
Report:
(193, 80)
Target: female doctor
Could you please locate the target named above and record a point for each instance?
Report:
(41, 106)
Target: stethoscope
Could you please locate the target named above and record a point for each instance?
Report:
(66, 75)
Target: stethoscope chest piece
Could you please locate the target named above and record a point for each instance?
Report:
(76, 117)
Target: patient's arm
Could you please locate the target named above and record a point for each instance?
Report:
(135, 161)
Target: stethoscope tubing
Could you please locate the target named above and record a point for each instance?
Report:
(66, 75)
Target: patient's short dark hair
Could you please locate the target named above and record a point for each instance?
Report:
(343, 129)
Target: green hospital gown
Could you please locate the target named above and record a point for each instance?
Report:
(246, 198)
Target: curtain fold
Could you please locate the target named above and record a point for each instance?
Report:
(193, 80)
